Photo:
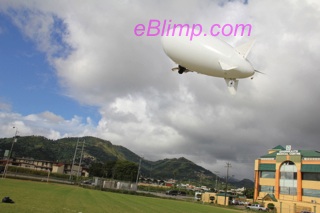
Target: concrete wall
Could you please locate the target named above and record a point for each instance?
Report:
(58, 169)
(218, 199)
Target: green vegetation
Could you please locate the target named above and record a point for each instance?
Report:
(180, 168)
(42, 197)
(99, 151)
(270, 206)
(61, 150)
(248, 192)
(119, 170)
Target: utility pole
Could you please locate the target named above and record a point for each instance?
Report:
(74, 157)
(216, 173)
(84, 141)
(138, 173)
(78, 158)
(10, 153)
(225, 192)
(201, 175)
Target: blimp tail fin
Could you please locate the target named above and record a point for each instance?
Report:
(244, 49)
(232, 85)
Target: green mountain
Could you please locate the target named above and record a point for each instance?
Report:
(179, 168)
(99, 150)
(243, 183)
(61, 150)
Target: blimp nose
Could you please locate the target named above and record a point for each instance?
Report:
(167, 43)
(245, 71)
(249, 73)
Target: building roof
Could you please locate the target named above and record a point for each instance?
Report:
(279, 147)
(267, 167)
(310, 153)
(304, 153)
(310, 168)
(271, 155)
(270, 197)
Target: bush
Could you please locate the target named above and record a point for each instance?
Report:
(270, 206)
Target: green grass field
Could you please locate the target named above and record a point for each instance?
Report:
(48, 197)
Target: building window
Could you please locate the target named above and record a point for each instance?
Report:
(269, 189)
(288, 190)
(311, 176)
(288, 175)
(288, 178)
(311, 192)
(267, 174)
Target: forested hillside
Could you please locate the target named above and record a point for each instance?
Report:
(97, 150)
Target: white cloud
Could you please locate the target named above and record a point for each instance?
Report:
(47, 124)
(157, 113)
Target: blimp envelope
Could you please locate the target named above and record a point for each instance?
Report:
(208, 55)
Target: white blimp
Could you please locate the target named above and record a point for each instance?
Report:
(209, 55)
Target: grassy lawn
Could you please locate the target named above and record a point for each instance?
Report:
(43, 197)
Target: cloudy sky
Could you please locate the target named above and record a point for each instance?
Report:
(69, 68)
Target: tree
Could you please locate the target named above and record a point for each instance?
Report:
(109, 169)
(248, 192)
(119, 170)
(271, 206)
(96, 169)
(125, 170)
